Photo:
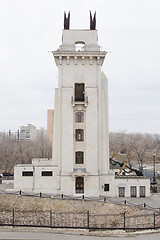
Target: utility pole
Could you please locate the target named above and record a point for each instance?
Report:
(18, 135)
(154, 168)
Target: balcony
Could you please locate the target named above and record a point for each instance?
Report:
(74, 102)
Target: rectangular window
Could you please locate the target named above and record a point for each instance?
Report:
(142, 191)
(121, 191)
(79, 116)
(27, 173)
(79, 92)
(79, 135)
(47, 174)
(79, 157)
(133, 191)
(106, 187)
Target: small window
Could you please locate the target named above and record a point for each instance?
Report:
(142, 191)
(133, 191)
(79, 116)
(80, 47)
(79, 135)
(121, 191)
(79, 157)
(106, 187)
(47, 173)
(27, 173)
(79, 185)
(79, 92)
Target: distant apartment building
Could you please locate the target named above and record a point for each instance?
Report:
(28, 132)
(50, 114)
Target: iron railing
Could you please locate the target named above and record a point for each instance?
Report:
(79, 220)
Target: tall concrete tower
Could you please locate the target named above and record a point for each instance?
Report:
(80, 135)
(80, 160)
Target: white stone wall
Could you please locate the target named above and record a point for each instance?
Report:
(37, 182)
(22, 183)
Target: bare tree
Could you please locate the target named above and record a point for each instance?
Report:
(135, 145)
(14, 152)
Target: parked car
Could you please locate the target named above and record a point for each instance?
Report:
(5, 174)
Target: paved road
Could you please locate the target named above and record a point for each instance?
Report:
(52, 236)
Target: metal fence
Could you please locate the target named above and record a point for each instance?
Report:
(83, 198)
(79, 220)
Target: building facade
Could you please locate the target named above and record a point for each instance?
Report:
(81, 137)
(80, 159)
(28, 132)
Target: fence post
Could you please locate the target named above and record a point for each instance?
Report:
(13, 218)
(51, 218)
(154, 220)
(124, 220)
(88, 218)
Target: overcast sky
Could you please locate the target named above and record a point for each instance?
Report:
(129, 30)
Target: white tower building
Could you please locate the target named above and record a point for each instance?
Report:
(80, 159)
(80, 135)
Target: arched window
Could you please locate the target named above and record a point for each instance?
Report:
(79, 157)
(80, 47)
(79, 117)
(79, 135)
(79, 185)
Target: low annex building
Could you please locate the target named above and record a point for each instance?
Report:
(80, 159)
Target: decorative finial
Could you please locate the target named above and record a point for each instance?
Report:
(93, 21)
(66, 21)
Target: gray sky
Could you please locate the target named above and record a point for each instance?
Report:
(129, 29)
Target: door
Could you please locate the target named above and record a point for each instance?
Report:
(79, 185)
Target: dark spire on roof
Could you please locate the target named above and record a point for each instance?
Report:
(92, 21)
(66, 20)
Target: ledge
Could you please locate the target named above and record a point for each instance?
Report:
(130, 177)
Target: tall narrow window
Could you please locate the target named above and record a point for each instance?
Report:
(79, 116)
(79, 92)
(79, 185)
(79, 135)
(142, 191)
(133, 191)
(79, 158)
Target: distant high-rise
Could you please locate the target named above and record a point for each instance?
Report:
(50, 115)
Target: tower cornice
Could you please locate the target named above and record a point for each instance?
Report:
(61, 55)
(79, 54)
